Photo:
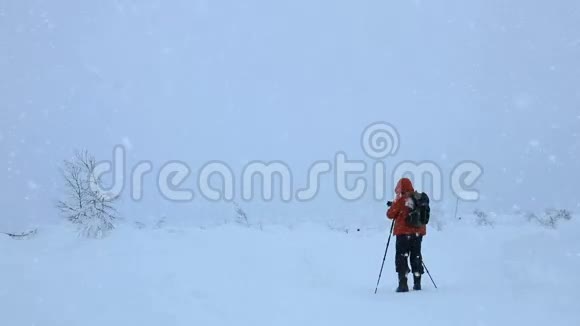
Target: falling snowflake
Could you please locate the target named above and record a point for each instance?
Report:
(534, 143)
(522, 101)
(534, 146)
(32, 185)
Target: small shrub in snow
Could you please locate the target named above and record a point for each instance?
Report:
(482, 218)
(531, 217)
(241, 216)
(551, 217)
(22, 236)
(559, 214)
(334, 227)
(161, 223)
(84, 204)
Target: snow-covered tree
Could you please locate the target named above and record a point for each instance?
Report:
(85, 204)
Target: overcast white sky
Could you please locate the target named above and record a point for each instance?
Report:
(497, 82)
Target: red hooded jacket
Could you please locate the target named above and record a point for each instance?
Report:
(399, 210)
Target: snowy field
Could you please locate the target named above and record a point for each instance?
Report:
(306, 112)
(304, 275)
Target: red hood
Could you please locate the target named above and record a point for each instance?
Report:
(403, 186)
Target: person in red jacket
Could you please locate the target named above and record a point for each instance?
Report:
(409, 238)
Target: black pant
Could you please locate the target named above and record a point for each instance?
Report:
(409, 246)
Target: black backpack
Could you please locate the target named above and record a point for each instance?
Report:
(421, 212)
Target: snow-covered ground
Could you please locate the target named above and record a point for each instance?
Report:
(305, 275)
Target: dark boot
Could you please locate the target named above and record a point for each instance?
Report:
(417, 282)
(403, 287)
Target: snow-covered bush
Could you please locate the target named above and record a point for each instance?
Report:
(84, 204)
(550, 218)
(482, 218)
